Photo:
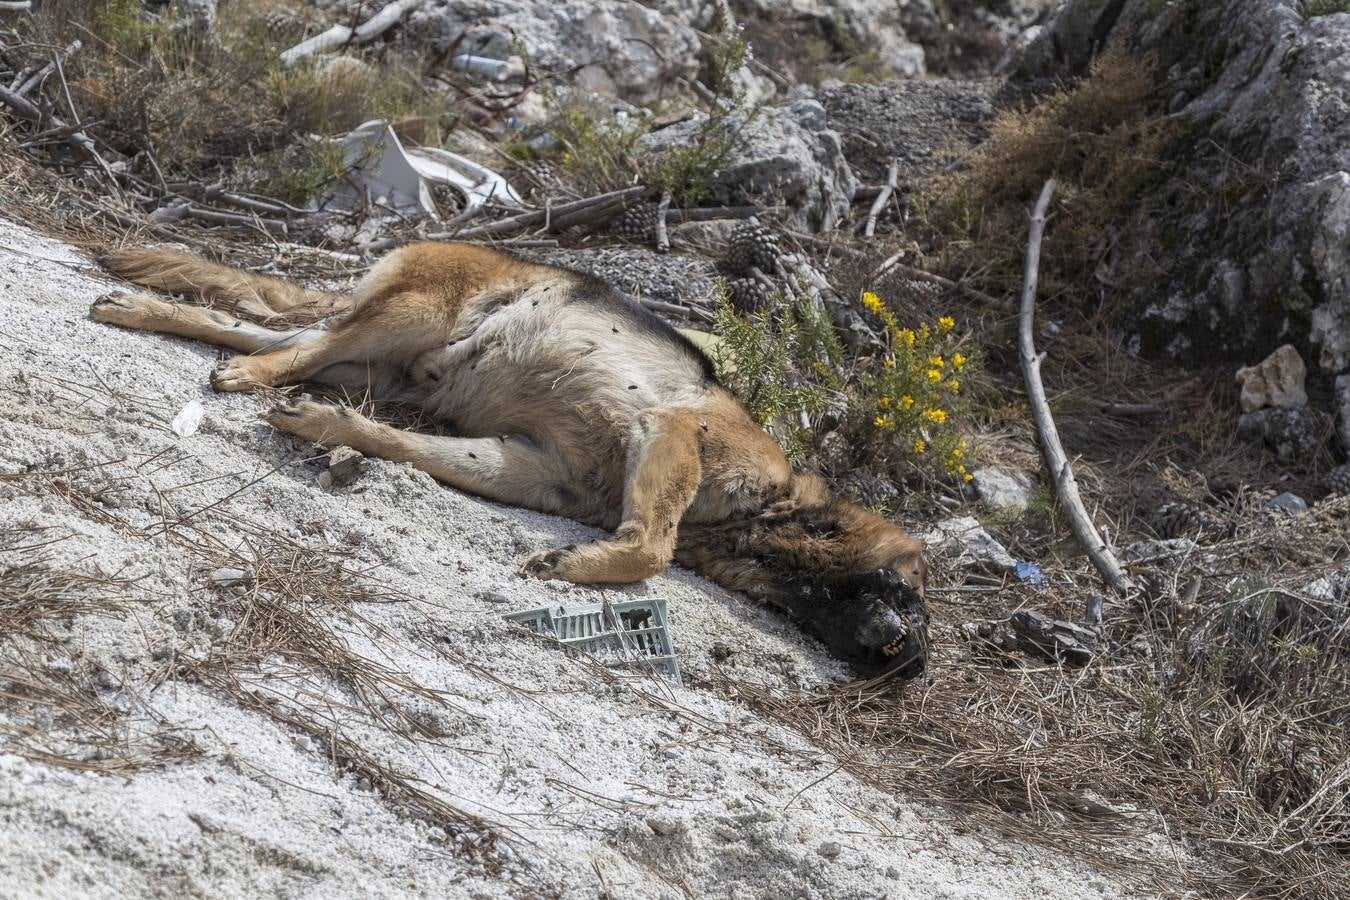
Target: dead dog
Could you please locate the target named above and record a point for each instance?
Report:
(569, 399)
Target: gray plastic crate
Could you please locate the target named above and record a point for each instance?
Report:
(633, 634)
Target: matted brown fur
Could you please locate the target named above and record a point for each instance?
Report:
(567, 398)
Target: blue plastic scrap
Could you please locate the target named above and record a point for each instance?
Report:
(1032, 575)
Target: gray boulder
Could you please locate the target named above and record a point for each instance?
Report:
(1343, 413)
(1261, 98)
(613, 47)
(859, 25)
(1294, 434)
(965, 542)
(1010, 492)
(785, 155)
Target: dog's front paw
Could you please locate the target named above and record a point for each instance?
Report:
(234, 375)
(547, 563)
(322, 423)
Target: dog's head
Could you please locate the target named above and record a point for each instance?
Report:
(847, 575)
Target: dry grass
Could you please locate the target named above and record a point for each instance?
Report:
(1217, 717)
(1103, 143)
(57, 714)
(295, 615)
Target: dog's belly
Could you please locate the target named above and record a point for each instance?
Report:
(570, 377)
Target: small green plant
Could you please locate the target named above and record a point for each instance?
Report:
(1311, 9)
(909, 400)
(599, 150)
(781, 365)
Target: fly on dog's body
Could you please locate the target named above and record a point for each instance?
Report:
(568, 398)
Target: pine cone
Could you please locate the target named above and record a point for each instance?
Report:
(1338, 481)
(1180, 519)
(751, 295)
(753, 246)
(637, 224)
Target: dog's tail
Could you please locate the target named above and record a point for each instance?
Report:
(257, 296)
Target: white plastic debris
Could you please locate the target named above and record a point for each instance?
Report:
(189, 419)
(382, 171)
(498, 69)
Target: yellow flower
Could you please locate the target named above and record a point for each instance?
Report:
(946, 323)
(967, 477)
(906, 401)
(872, 303)
(923, 331)
(934, 375)
(961, 469)
(954, 386)
(957, 454)
(935, 361)
(884, 402)
(884, 422)
(907, 336)
(958, 361)
(890, 362)
(936, 416)
(919, 445)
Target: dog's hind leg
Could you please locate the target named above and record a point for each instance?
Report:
(664, 472)
(260, 296)
(507, 469)
(146, 312)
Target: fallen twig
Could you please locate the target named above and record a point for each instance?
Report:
(883, 196)
(1052, 451)
(662, 235)
(342, 35)
(676, 309)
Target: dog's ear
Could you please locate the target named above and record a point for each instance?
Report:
(911, 564)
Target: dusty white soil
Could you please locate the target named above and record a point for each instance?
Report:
(639, 789)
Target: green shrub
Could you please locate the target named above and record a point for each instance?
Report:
(1311, 9)
(781, 365)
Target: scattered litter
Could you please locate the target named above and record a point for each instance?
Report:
(1054, 639)
(381, 171)
(487, 66)
(632, 634)
(1289, 504)
(229, 577)
(1032, 575)
(189, 419)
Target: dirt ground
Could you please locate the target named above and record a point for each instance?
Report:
(471, 759)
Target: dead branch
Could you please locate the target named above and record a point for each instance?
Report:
(662, 236)
(215, 217)
(43, 73)
(17, 5)
(342, 35)
(677, 309)
(883, 197)
(561, 216)
(1052, 451)
(77, 139)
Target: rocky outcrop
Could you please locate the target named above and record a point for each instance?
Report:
(614, 47)
(1258, 249)
(778, 156)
